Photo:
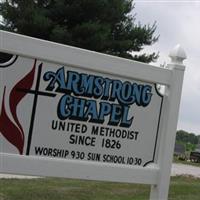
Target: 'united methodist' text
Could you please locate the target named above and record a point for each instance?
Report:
(96, 99)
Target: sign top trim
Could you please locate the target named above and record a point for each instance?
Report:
(80, 58)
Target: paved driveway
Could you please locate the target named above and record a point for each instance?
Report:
(180, 169)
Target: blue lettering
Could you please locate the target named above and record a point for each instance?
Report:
(125, 122)
(62, 111)
(87, 85)
(116, 114)
(146, 95)
(58, 77)
(105, 109)
(92, 111)
(98, 89)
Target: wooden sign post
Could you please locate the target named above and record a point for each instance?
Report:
(69, 112)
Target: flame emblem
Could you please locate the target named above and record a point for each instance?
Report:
(13, 131)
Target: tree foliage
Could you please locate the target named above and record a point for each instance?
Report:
(105, 26)
(186, 137)
(189, 140)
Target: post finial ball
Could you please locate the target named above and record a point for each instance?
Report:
(177, 55)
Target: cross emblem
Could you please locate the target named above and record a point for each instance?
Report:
(36, 94)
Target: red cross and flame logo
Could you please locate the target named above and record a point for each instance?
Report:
(12, 129)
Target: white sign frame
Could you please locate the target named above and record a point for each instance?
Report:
(158, 175)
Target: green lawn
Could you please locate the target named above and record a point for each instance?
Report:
(181, 188)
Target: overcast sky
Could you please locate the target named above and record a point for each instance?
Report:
(178, 22)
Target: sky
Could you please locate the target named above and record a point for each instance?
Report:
(178, 22)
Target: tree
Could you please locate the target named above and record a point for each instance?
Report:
(105, 26)
(189, 140)
(186, 137)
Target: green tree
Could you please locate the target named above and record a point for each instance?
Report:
(105, 26)
(189, 140)
(186, 137)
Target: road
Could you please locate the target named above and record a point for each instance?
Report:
(177, 169)
(180, 169)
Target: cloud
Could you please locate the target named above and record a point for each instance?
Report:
(178, 22)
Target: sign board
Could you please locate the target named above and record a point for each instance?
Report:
(64, 112)
(73, 113)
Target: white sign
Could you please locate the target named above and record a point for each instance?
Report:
(63, 112)
(68, 112)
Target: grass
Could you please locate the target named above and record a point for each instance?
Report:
(181, 188)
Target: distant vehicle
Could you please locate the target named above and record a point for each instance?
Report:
(195, 156)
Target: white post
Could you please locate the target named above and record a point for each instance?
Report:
(169, 118)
